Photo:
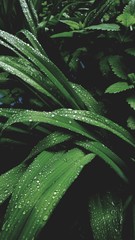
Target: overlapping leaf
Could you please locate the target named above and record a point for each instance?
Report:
(35, 196)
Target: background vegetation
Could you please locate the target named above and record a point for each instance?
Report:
(67, 119)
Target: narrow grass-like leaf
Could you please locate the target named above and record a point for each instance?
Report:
(66, 118)
(104, 27)
(28, 74)
(46, 66)
(87, 98)
(30, 14)
(34, 42)
(47, 142)
(9, 180)
(5, 140)
(94, 119)
(50, 118)
(108, 156)
(35, 196)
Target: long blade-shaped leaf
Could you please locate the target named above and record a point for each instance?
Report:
(47, 142)
(39, 190)
(46, 66)
(49, 118)
(28, 74)
(92, 118)
(9, 180)
(66, 118)
(30, 14)
(108, 156)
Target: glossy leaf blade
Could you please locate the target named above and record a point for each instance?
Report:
(35, 196)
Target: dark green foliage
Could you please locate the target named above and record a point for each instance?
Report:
(67, 102)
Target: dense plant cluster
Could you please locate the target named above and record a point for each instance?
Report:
(67, 119)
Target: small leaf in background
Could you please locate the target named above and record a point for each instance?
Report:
(72, 24)
(104, 66)
(117, 66)
(126, 19)
(118, 87)
(132, 78)
(131, 101)
(63, 34)
(4, 77)
(131, 122)
(130, 51)
(104, 27)
(106, 217)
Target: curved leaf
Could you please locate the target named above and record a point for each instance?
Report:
(9, 180)
(66, 118)
(108, 156)
(35, 196)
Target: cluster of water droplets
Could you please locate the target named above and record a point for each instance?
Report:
(106, 218)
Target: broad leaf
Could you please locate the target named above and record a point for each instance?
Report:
(118, 87)
(131, 101)
(117, 66)
(9, 180)
(35, 196)
(126, 19)
(131, 122)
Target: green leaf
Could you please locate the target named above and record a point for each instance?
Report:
(35, 196)
(30, 14)
(118, 87)
(9, 180)
(104, 65)
(47, 142)
(131, 101)
(104, 27)
(46, 66)
(130, 51)
(131, 122)
(94, 119)
(110, 158)
(28, 74)
(126, 19)
(63, 35)
(65, 118)
(117, 66)
(132, 77)
(106, 217)
(87, 98)
(4, 77)
(72, 24)
(34, 42)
